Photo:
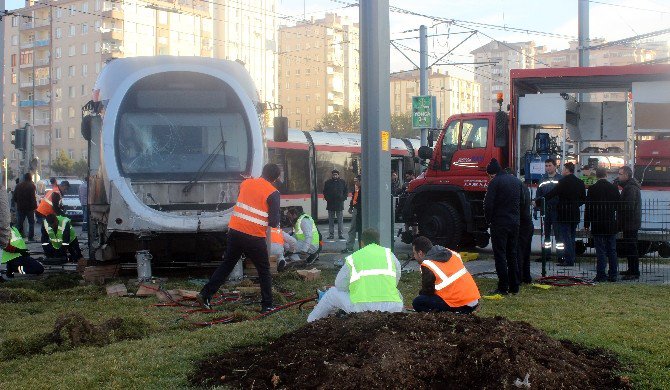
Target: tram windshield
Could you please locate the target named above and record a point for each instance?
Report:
(178, 133)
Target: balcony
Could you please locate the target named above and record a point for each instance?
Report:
(42, 122)
(114, 12)
(112, 34)
(43, 82)
(42, 62)
(39, 22)
(40, 142)
(42, 42)
(33, 103)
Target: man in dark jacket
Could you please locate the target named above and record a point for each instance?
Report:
(547, 183)
(502, 204)
(26, 203)
(335, 193)
(356, 216)
(602, 201)
(571, 193)
(630, 220)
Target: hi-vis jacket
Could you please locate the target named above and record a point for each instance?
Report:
(46, 206)
(452, 282)
(250, 214)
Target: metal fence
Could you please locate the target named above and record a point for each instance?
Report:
(652, 244)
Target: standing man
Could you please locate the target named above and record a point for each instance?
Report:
(256, 211)
(335, 193)
(602, 201)
(630, 220)
(446, 285)
(356, 216)
(547, 183)
(502, 204)
(368, 281)
(26, 203)
(571, 193)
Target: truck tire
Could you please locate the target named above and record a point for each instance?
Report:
(442, 224)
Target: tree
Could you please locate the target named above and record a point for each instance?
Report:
(80, 168)
(344, 120)
(401, 126)
(62, 164)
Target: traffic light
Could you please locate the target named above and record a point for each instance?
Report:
(19, 139)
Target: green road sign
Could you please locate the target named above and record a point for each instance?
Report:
(423, 112)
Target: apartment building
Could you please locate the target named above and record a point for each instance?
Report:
(453, 95)
(54, 51)
(318, 69)
(493, 64)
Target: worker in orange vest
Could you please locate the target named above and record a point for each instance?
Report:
(446, 285)
(50, 206)
(255, 213)
(281, 242)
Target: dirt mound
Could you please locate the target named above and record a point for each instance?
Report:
(414, 351)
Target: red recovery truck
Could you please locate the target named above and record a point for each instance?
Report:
(627, 107)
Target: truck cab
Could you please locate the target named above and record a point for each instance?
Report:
(446, 200)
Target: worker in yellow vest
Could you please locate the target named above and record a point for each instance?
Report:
(306, 234)
(368, 281)
(257, 211)
(15, 256)
(446, 285)
(59, 238)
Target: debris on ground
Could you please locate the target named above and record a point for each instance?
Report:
(309, 274)
(117, 290)
(99, 273)
(72, 330)
(413, 351)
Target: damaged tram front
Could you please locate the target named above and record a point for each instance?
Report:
(170, 141)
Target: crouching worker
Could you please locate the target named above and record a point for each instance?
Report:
(15, 257)
(59, 238)
(306, 234)
(282, 242)
(368, 281)
(446, 285)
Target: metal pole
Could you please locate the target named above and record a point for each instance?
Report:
(583, 32)
(376, 117)
(2, 86)
(423, 73)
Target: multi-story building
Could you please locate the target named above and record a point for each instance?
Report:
(318, 69)
(495, 60)
(54, 51)
(453, 95)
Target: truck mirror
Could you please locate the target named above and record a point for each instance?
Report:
(87, 124)
(281, 129)
(425, 152)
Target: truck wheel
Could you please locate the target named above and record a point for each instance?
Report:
(442, 224)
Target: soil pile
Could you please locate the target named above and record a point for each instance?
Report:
(414, 351)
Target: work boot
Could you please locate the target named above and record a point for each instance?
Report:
(281, 265)
(330, 237)
(631, 277)
(204, 301)
(268, 309)
(496, 292)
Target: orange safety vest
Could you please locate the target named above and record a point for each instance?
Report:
(46, 206)
(277, 236)
(453, 282)
(250, 214)
(354, 200)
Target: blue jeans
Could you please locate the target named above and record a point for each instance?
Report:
(567, 235)
(424, 303)
(606, 252)
(20, 217)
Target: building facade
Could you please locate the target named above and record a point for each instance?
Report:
(318, 69)
(453, 95)
(54, 51)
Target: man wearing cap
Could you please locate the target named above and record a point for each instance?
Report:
(502, 205)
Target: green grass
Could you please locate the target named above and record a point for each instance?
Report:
(631, 320)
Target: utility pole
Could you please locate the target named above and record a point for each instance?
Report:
(583, 33)
(2, 86)
(376, 117)
(423, 72)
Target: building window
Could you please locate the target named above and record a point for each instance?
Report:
(297, 124)
(59, 52)
(84, 70)
(84, 49)
(72, 50)
(59, 32)
(72, 71)
(73, 9)
(14, 120)
(288, 72)
(297, 110)
(83, 90)
(97, 5)
(58, 73)
(97, 25)
(70, 112)
(57, 135)
(59, 13)
(297, 72)
(307, 84)
(15, 21)
(318, 83)
(15, 40)
(70, 134)
(13, 60)
(70, 153)
(70, 92)
(73, 30)
(84, 7)
(97, 68)
(15, 78)
(97, 46)
(84, 28)
(58, 114)
(297, 85)
(59, 94)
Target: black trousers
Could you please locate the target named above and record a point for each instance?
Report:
(631, 252)
(504, 242)
(71, 251)
(24, 265)
(526, 230)
(22, 216)
(256, 250)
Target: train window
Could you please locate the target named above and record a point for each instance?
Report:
(294, 165)
(342, 161)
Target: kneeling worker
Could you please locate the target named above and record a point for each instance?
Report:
(59, 238)
(368, 281)
(15, 256)
(306, 234)
(281, 242)
(446, 285)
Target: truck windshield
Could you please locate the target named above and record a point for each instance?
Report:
(176, 125)
(450, 143)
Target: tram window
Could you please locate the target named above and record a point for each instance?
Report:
(342, 161)
(294, 166)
